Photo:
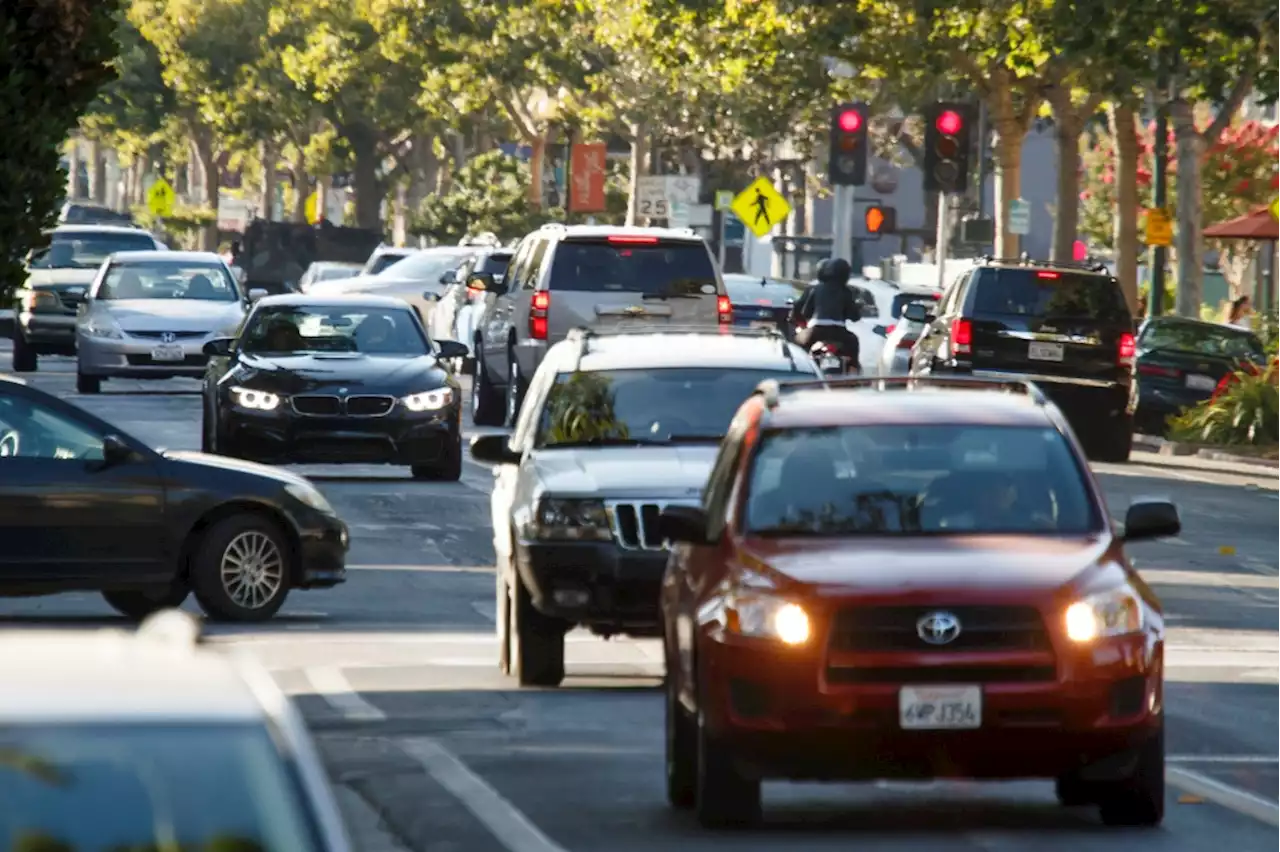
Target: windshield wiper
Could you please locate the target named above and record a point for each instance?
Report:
(692, 439)
(603, 442)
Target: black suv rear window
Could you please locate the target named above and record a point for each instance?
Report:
(659, 268)
(900, 301)
(495, 264)
(1050, 293)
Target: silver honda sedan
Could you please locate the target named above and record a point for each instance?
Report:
(148, 315)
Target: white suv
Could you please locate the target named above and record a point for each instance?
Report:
(616, 426)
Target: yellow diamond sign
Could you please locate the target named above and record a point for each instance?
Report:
(761, 207)
(313, 208)
(1275, 209)
(1159, 228)
(160, 198)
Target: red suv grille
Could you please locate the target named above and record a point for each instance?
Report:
(982, 628)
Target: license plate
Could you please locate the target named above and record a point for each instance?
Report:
(169, 352)
(940, 708)
(770, 324)
(830, 363)
(1196, 381)
(1045, 352)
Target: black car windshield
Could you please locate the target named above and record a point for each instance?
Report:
(743, 289)
(1196, 338)
(634, 265)
(123, 786)
(87, 249)
(918, 480)
(294, 328)
(494, 264)
(653, 406)
(168, 279)
(1050, 293)
(900, 301)
(383, 261)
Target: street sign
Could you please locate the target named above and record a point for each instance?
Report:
(700, 215)
(724, 199)
(313, 208)
(734, 232)
(682, 189)
(588, 174)
(656, 193)
(761, 207)
(679, 215)
(1275, 209)
(1159, 228)
(160, 198)
(1019, 217)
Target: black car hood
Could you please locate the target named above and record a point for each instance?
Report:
(358, 373)
(260, 471)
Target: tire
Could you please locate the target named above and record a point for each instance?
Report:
(25, 359)
(515, 390)
(207, 442)
(1115, 444)
(681, 748)
(448, 469)
(537, 643)
(1073, 792)
(502, 619)
(486, 401)
(249, 534)
(88, 384)
(137, 605)
(724, 797)
(1139, 799)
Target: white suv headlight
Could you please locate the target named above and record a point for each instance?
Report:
(255, 400)
(765, 616)
(428, 400)
(1115, 612)
(103, 326)
(573, 520)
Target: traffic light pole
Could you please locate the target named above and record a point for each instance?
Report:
(940, 252)
(842, 222)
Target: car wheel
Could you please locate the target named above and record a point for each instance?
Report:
(502, 619)
(241, 569)
(207, 442)
(1139, 799)
(682, 744)
(515, 390)
(88, 384)
(537, 647)
(1072, 792)
(486, 401)
(448, 469)
(138, 604)
(724, 797)
(468, 366)
(1116, 443)
(25, 359)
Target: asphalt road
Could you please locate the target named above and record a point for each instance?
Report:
(432, 749)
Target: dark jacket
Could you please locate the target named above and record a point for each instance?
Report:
(827, 301)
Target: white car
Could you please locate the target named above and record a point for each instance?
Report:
(420, 279)
(115, 740)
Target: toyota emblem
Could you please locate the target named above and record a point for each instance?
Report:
(938, 628)
(168, 337)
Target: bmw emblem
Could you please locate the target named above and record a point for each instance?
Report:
(342, 391)
(938, 628)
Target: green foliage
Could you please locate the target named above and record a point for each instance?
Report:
(1247, 412)
(581, 409)
(182, 227)
(53, 60)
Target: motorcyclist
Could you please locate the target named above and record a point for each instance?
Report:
(825, 307)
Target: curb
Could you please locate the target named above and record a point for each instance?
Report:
(1152, 444)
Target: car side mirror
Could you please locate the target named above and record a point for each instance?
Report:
(494, 449)
(219, 347)
(450, 349)
(448, 277)
(683, 523)
(256, 293)
(115, 450)
(430, 295)
(917, 312)
(1148, 519)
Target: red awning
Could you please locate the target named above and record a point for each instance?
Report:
(1258, 225)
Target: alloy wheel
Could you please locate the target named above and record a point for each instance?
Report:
(252, 569)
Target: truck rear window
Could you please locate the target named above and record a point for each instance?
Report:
(676, 268)
(1050, 293)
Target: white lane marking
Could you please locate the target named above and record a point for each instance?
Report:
(332, 685)
(1240, 801)
(1222, 758)
(485, 608)
(1216, 579)
(504, 821)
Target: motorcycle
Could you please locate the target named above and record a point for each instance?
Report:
(829, 357)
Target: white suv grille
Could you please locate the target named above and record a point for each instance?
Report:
(635, 523)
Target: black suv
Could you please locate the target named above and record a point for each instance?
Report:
(1065, 326)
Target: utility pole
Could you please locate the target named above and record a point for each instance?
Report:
(1160, 189)
(940, 256)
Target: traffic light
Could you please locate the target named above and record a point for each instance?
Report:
(881, 220)
(947, 143)
(848, 163)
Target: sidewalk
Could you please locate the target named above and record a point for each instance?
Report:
(1174, 449)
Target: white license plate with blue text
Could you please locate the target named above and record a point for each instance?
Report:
(1201, 383)
(940, 708)
(167, 352)
(1045, 352)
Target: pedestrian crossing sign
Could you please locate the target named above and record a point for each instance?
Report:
(761, 207)
(160, 198)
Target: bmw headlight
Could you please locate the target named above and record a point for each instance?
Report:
(104, 327)
(1115, 612)
(765, 616)
(433, 400)
(255, 400)
(309, 496)
(573, 520)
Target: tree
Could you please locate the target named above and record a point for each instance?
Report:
(53, 61)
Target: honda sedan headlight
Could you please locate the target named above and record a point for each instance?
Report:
(428, 400)
(104, 327)
(255, 400)
(765, 616)
(308, 495)
(1115, 612)
(573, 520)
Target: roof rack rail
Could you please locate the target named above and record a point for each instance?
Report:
(1026, 260)
(582, 336)
(772, 389)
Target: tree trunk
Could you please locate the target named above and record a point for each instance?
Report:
(537, 159)
(209, 170)
(1189, 148)
(1124, 130)
(1008, 183)
(1068, 125)
(639, 156)
(97, 177)
(269, 153)
(73, 170)
(368, 197)
(302, 189)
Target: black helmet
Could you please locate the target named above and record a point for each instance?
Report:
(834, 271)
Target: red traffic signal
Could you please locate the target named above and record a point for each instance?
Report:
(949, 122)
(880, 220)
(850, 121)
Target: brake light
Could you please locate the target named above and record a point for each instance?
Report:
(724, 308)
(637, 241)
(1047, 275)
(888, 329)
(539, 304)
(905, 342)
(1154, 370)
(961, 336)
(1126, 350)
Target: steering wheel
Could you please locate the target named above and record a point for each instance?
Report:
(10, 443)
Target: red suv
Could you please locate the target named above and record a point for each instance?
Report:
(912, 579)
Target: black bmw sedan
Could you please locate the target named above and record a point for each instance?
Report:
(333, 380)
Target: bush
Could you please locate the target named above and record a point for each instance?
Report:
(1244, 411)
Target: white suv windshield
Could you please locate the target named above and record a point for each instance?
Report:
(87, 249)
